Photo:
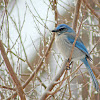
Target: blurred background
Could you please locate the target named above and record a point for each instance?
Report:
(25, 30)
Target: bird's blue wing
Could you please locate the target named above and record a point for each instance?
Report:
(78, 44)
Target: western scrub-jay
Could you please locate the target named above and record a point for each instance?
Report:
(64, 39)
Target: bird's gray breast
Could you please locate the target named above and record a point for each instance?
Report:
(64, 47)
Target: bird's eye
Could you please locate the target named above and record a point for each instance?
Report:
(61, 29)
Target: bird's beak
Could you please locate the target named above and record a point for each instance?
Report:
(55, 30)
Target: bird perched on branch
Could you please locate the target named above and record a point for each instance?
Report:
(64, 39)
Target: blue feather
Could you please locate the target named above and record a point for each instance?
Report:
(79, 45)
(96, 85)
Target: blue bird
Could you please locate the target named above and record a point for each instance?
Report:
(64, 39)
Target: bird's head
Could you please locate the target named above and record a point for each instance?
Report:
(62, 28)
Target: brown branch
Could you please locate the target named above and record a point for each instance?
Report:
(70, 95)
(56, 13)
(60, 83)
(84, 81)
(76, 14)
(9, 88)
(36, 70)
(92, 10)
(19, 88)
(95, 70)
(52, 84)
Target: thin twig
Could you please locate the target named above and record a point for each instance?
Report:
(36, 70)
(9, 88)
(52, 84)
(76, 15)
(58, 88)
(19, 88)
(92, 10)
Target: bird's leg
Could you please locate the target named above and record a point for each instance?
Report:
(69, 63)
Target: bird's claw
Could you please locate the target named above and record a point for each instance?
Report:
(68, 68)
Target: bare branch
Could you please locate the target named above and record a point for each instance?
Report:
(19, 88)
(5, 87)
(37, 69)
(92, 10)
(56, 78)
(76, 14)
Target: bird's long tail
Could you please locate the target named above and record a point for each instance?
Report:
(96, 85)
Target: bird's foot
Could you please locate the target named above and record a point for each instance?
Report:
(68, 66)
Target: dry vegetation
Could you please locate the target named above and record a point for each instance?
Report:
(43, 76)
